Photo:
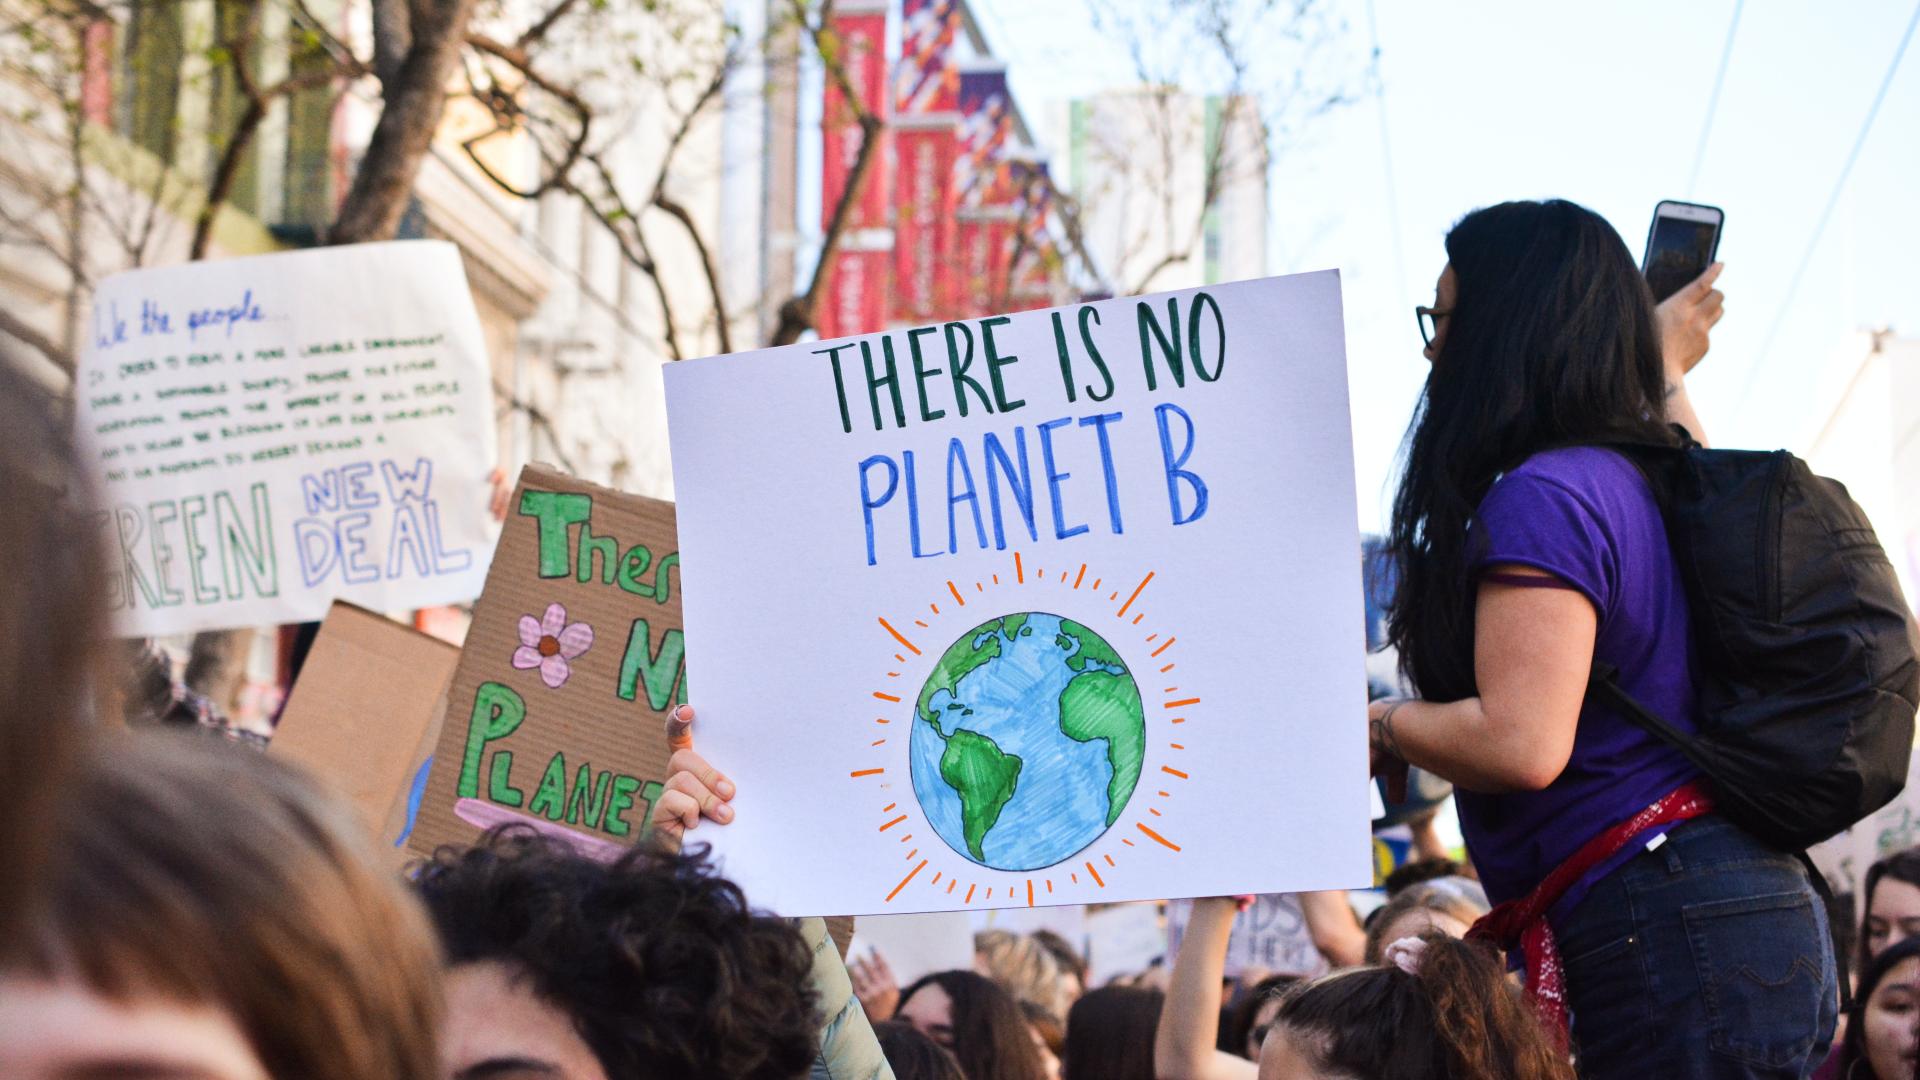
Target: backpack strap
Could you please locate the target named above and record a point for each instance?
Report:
(1603, 685)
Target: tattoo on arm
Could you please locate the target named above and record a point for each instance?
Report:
(1672, 389)
(1381, 731)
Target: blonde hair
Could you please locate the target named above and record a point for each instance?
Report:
(202, 872)
(1022, 966)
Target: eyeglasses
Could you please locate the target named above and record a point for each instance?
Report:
(1429, 320)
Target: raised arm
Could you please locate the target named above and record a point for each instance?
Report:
(1184, 1047)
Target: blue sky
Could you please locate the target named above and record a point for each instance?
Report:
(1603, 104)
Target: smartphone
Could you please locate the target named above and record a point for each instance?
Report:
(1681, 244)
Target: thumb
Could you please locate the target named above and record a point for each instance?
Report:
(680, 728)
(1705, 281)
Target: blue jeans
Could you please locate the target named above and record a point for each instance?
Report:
(1706, 957)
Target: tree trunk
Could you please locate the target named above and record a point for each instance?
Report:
(413, 101)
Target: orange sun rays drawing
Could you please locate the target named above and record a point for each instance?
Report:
(1107, 658)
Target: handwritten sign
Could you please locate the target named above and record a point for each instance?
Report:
(271, 433)
(558, 709)
(1048, 608)
(1269, 938)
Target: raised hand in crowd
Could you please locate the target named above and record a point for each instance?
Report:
(1185, 1047)
(695, 789)
(874, 985)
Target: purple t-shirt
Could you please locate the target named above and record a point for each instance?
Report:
(1587, 516)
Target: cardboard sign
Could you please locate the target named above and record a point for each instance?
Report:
(557, 714)
(268, 434)
(1269, 938)
(366, 711)
(1048, 608)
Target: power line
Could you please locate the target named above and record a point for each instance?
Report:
(1386, 152)
(1833, 200)
(1713, 100)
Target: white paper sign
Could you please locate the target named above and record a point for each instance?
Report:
(916, 945)
(1271, 937)
(1124, 940)
(270, 434)
(1051, 608)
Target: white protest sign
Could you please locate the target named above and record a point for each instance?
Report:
(270, 434)
(916, 945)
(1271, 937)
(1049, 608)
(1123, 940)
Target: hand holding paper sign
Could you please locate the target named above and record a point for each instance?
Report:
(1036, 609)
(695, 790)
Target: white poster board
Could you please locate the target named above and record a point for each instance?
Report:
(1123, 941)
(270, 434)
(915, 945)
(1050, 608)
(1270, 938)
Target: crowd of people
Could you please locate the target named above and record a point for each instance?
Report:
(178, 905)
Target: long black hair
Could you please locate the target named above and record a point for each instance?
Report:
(1110, 1034)
(1551, 341)
(1853, 1049)
(990, 1036)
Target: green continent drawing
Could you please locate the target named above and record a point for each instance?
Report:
(1028, 740)
(985, 777)
(1102, 706)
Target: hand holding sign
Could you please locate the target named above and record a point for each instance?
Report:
(695, 790)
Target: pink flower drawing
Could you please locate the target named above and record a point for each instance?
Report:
(551, 644)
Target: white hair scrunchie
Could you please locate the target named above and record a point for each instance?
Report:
(1406, 954)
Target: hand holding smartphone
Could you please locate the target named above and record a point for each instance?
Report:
(1681, 244)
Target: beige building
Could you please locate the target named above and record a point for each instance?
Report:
(1171, 186)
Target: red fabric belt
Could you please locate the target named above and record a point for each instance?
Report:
(1522, 923)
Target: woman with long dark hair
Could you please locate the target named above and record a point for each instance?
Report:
(1882, 1041)
(978, 1021)
(1528, 552)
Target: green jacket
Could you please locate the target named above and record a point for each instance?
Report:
(848, 1049)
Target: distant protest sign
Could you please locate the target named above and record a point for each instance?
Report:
(269, 434)
(557, 717)
(1048, 608)
(365, 713)
(1271, 937)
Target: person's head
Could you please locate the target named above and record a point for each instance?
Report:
(651, 965)
(1881, 1042)
(1022, 966)
(1073, 966)
(1548, 339)
(1457, 1018)
(52, 625)
(1428, 907)
(1892, 894)
(972, 1016)
(1049, 1034)
(1419, 872)
(1110, 1034)
(213, 915)
(1252, 1016)
(913, 1055)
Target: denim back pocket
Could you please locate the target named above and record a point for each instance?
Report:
(1761, 963)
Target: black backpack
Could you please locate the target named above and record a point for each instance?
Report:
(1808, 660)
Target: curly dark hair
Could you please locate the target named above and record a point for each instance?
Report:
(664, 968)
